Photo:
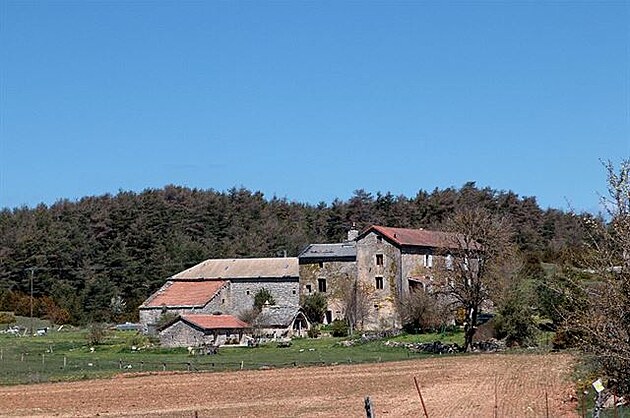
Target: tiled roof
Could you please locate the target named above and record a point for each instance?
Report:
(185, 293)
(416, 237)
(242, 268)
(215, 321)
(345, 250)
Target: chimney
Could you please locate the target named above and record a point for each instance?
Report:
(353, 233)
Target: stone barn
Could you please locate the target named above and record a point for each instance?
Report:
(281, 322)
(226, 286)
(203, 330)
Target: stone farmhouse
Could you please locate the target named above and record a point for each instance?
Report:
(386, 264)
(225, 286)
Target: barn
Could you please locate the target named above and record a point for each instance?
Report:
(197, 330)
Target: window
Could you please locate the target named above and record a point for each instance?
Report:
(379, 238)
(428, 260)
(321, 264)
(379, 259)
(449, 262)
(321, 285)
(247, 292)
(308, 288)
(379, 282)
(294, 292)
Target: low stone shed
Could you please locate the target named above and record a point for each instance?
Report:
(281, 322)
(203, 330)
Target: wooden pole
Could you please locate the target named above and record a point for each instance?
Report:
(369, 408)
(546, 404)
(424, 408)
(496, 400)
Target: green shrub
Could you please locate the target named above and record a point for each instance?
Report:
(7, 318)
(314, 332)
(262, 297)
(97, 333)
(315, 307)
(339, 328)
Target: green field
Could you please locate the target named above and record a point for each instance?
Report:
(66, 355)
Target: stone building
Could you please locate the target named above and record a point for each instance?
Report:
(203, 330)
(276, 321)
(325, 268)
(385, 264)
(227, 286)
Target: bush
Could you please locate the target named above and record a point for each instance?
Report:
(315, 307)
(97, 333)
(7, 318)
(262, 297)
(314, 332)
(339, 328)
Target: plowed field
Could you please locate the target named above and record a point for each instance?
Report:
(462, 386)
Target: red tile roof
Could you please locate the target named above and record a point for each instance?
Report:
(215, 321)
(185, 293)
(416, 237)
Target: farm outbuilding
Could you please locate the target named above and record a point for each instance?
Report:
(281, 322)
(203, 330)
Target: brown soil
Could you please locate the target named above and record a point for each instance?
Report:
(462, 386)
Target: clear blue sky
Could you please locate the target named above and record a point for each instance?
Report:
(312, 100)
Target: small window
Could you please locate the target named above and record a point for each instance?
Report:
(379, 282)
(379, 238)
(321, 285)
(379, 259)
(294, 292)
(308, 288)
(247, 292)
(449, 262)
(321, 264)
(428, 260)
(222, 300)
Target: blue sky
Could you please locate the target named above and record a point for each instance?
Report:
(312, 100)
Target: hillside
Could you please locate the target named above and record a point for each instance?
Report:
(98, 258)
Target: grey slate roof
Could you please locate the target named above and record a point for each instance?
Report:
(242, 268)
(277, 316)
(338, 251)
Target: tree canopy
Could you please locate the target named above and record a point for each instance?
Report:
(99, 257)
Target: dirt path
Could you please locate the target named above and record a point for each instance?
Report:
(462, 386)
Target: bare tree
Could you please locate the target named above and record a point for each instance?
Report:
(356, 299)
(478, 258)
(599, 318)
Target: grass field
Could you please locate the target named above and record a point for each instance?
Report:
(66, 355)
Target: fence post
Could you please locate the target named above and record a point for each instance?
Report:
(424, 408)
(369, 408)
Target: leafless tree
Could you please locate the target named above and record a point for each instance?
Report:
(601, 320)
(479, 256)
(357, 300)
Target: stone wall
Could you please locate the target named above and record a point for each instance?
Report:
(182, 334)
(333, 272)
(384, 314)
(285, 291)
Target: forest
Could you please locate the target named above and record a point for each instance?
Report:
(98, 258)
